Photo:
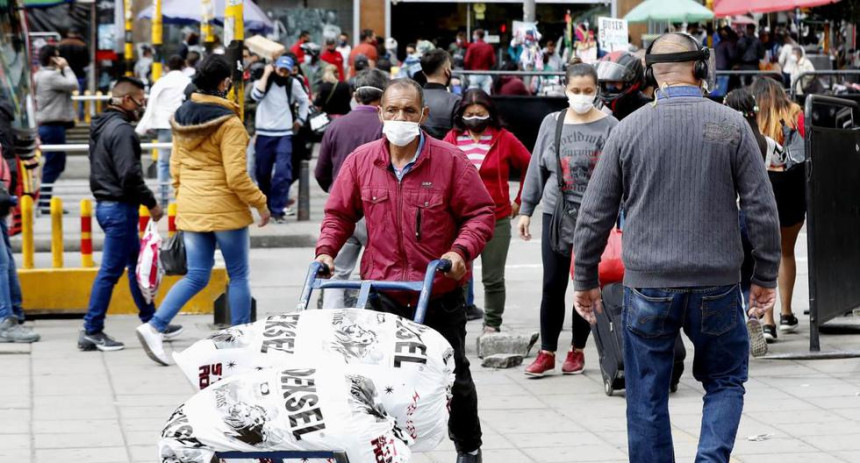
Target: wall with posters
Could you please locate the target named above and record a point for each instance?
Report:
(319, 17)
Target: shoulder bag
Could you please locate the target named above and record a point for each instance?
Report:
(319, 120)
(563, 221)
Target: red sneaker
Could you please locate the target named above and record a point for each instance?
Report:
(544, 362)
(574, 363)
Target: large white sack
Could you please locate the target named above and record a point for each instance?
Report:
(411, 364)
(295, 408)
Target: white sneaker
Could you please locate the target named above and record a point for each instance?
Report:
(152, 342)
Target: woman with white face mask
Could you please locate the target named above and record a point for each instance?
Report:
(579, 132)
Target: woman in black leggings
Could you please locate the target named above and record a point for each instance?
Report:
(580, 131)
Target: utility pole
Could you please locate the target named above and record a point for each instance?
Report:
(129, 45)
(157, 39)
(206, 30)
(234, 37)
(529, 11)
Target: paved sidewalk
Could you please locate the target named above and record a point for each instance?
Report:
(59, 404)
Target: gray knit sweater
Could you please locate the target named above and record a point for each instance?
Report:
(679, 168)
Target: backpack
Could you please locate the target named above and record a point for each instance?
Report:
(793, 146)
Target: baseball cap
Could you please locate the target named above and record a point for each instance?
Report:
(284, 62)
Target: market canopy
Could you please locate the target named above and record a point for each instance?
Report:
(191, 11)
(43, 3)
(673, 11)
(724, 8)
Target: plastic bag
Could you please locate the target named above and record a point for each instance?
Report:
(413, 364)
(171, 255)
(296, 407)
(148, 273)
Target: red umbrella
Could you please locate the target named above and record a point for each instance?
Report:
(724, 8)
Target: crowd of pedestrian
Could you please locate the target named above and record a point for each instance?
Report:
(408, 161)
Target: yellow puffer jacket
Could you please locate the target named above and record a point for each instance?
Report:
(209, 167)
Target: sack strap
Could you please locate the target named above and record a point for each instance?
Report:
(331, 93)
(559, 126)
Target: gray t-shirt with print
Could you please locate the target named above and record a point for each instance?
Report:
(581, 146)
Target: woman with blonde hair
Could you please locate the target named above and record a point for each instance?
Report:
(777, 116)
(333, 96)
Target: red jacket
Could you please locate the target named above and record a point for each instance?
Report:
(480, 56)
(297, 50)
(334, 58)
(440, 206)
(506, 153)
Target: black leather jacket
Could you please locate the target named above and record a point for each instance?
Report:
(115, 171)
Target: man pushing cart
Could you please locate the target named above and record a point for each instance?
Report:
(422, 201)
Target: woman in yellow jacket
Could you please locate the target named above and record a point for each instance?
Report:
(214, 195)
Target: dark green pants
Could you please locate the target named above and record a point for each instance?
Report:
(493, 272)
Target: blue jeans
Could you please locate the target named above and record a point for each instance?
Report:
(274, 153)
(10, 288)
(121, 247)
(55, 161)
(164, 136)
(200, 253)
(484, 82)
(713, 319)
(82, 87)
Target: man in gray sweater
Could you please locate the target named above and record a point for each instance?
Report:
(679, 166)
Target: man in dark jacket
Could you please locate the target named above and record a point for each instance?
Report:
(750, 52)
(116, 181)
(343, 136)
(436, 66)
(74, 50)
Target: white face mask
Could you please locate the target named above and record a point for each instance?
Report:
(400, 133)
(580, 103)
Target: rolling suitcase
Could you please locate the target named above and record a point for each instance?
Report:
(608, 338)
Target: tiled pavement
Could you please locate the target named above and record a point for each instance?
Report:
(58, 404)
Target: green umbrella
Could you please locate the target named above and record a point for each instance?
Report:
(673, 11)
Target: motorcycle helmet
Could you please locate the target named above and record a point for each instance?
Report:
(619, 73)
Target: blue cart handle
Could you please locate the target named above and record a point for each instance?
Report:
(424, 288)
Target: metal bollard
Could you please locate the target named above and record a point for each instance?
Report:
(171, 219)
(28, 248)
(56, 232)
(304, 212)
(77, 107)
(144, 219)
(87, 233)
(88, 108)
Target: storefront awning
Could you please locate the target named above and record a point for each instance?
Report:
(723, 8)
(675, 11)
(43, 3)
(569, 2)
(190, 12)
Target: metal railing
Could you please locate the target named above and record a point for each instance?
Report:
(816, 74)
(303, 204)
(84, 147)
(87, 97)
(495, 72)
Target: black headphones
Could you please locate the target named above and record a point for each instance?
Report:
(700, 56)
